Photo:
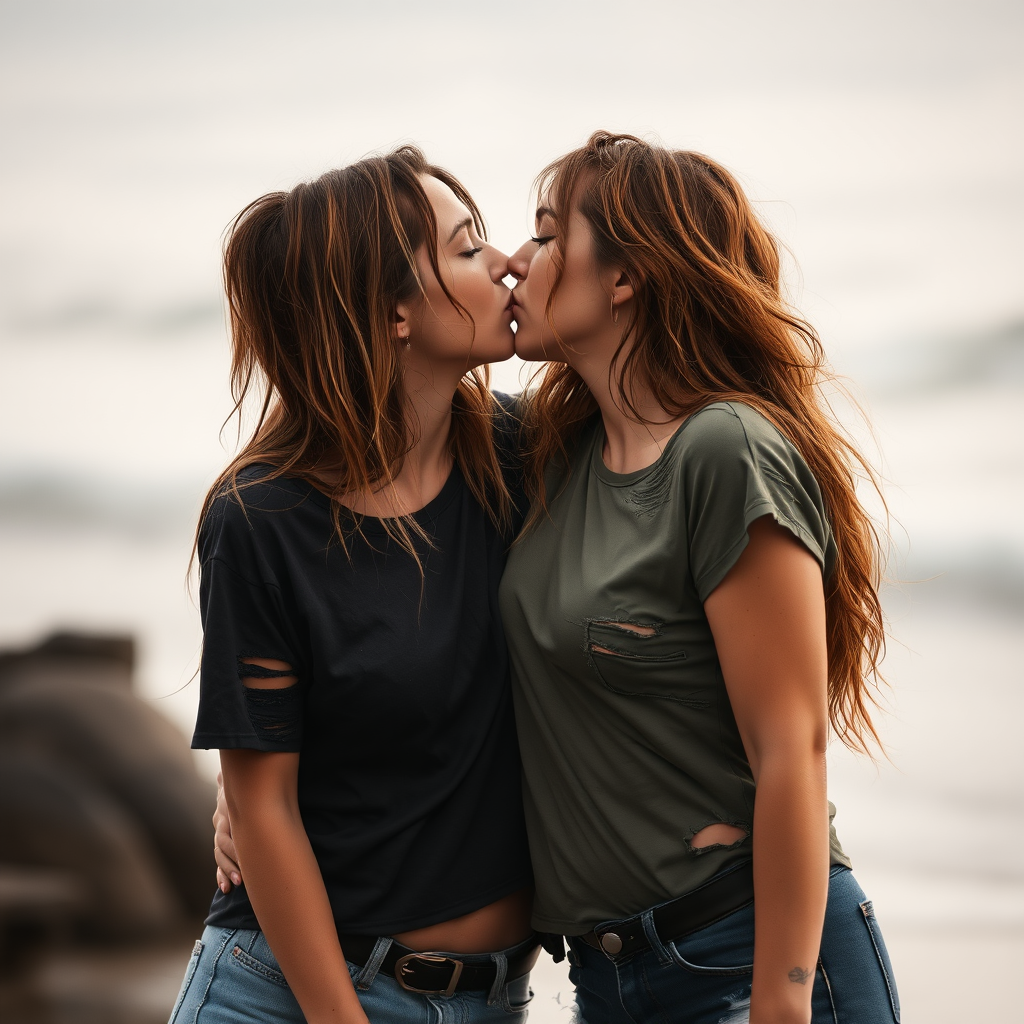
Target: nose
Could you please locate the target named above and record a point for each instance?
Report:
(519, 261)
(498, 264)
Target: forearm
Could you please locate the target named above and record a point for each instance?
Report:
(791, 859)
(287, 892)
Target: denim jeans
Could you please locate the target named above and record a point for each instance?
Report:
(233, 978)
(704, 977)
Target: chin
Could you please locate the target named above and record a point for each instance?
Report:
(530, 350)
(496, 351)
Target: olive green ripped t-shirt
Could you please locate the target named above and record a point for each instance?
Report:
(629, 743)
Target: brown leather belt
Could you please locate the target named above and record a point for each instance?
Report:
(438, 973)
(696, 909)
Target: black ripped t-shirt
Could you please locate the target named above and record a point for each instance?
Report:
(409, 772)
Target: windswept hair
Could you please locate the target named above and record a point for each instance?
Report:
(709, 324)
(312, 278)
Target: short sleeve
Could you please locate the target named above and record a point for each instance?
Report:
(738, 467)
(243, 616)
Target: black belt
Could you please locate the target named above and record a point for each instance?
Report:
(696, 909)
(437, 974)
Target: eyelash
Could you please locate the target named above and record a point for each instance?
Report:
(543, 240)
(470, 253)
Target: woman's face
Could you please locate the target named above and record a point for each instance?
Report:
(472, 270)
(581, 309)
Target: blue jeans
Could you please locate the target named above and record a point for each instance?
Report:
(233, 978)
(704, 977)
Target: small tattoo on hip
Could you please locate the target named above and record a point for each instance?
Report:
(800, 975)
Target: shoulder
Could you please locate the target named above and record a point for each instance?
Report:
(730, 428)
(733, 442)
(736, 467)
(256, 491)
(242, 507)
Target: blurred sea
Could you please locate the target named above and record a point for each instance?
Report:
(937, 828)
(876, 142)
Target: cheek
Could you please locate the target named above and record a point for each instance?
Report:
(571, 320)
(580, 305)
(488, 338)
(533, 329)
(474, 289)
(540, 280)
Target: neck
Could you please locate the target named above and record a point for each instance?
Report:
(633, 440)
(429, 395)
(429, 391)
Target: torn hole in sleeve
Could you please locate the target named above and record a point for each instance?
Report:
(273, 701)
(265, 673)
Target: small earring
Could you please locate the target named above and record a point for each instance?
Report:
(615, 312)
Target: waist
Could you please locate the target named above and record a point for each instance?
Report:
(499, 925)
(720, 896)
(440, 973)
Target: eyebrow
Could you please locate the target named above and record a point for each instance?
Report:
(458, 227)
(544, 211)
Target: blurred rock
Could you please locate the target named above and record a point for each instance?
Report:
(99, 796)
(35, 905)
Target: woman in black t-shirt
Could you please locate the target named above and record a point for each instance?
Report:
(354, 673)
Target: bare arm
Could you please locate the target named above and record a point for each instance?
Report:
(768, 620)
(284, 883)
(282, 876)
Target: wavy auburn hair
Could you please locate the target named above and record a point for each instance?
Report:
(312, 278)
(709, 324)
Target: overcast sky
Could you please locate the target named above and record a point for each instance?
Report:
(882, 137)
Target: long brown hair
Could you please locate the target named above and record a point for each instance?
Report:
(312, 278)
(709, 324)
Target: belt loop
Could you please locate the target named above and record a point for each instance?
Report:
(364, 979)
(651, 934)
(500, 973)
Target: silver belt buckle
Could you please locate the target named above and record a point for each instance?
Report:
(404, 966)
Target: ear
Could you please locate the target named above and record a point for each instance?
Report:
(618, 285)
(403, 323)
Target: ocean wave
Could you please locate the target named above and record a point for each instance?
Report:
(994, 356)
(93, 315)
(42, 501)
(985, 576)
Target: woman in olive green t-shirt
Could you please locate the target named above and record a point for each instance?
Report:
(690, 609)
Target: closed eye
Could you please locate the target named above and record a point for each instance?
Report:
(542, 240)
(470, 253)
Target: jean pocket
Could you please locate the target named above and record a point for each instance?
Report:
(736, 970)
(724, 948)
(190, 970)
(867, 909)
(260, 967)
